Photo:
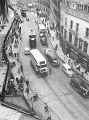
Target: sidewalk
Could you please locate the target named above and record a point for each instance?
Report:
(9, 114)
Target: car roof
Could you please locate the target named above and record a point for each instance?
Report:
(52, 53)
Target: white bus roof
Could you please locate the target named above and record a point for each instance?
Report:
(37, 55)
(42, 27)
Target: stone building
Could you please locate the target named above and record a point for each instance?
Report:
(75, 30)
(55, 14)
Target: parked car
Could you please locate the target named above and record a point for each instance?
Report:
(43, 38)
(80, 85)
(32, 41)
(67, 69)
(52, 57)
(27, 51)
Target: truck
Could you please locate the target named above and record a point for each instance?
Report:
(38, 62)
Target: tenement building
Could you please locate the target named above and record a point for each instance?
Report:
(75, 30)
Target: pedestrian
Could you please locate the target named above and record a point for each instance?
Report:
(86, 71)
(82, 74)
(56, 47)
(27, 87)
(78, 67)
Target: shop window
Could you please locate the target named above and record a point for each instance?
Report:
(85, 47)
(87, 32)
(80, 43)
(70, 37)
(76, 41)
(71, 24)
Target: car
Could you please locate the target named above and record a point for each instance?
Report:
(66, 68)
(43, 38)
(80, 84)
(32, 40)
(27, 51)
(52, 57)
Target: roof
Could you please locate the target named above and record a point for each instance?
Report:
(37, 55)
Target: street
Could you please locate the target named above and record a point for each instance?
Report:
(54, 89)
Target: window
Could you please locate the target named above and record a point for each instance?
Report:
(65, 21)
(85, 47)
(65, 34)
(85, 7)
(87, 32)
(67, 2)
(71, 24)
(55, 2)
(82, 6)
(77, 27)
(88, 9)
(57, 13)
(70, 37)
(62, 30)
(76, 41)
(59, 4)
(80, 43)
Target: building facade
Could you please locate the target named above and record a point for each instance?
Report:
(74, 30)
(55, 14)
(44, 6)
(6, 18)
